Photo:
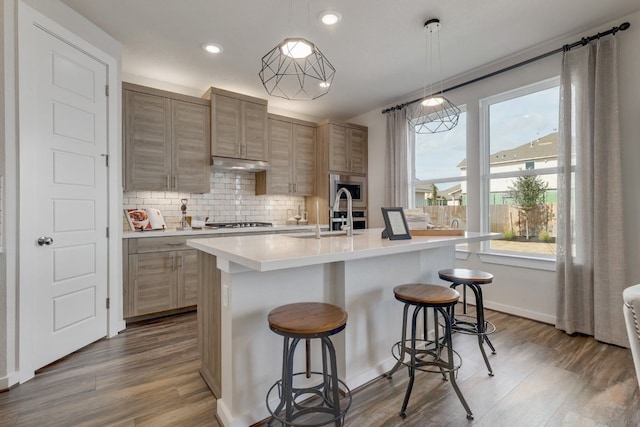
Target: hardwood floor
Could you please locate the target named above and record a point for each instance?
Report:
(148, 376)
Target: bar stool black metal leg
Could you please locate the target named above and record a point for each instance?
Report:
(412, 369)
(481, 325)
(464, 298)
(452, 373)
(484, 323)
(493, 350)
(285, 359)
(332, 399)
(287, 389)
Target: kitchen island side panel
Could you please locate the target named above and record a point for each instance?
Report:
(251, 353)
(375, 316)
(209, 322)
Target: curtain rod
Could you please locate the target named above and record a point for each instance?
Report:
(582, 42)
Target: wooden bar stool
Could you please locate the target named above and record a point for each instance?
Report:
(315, 399)
(462, 323)
(425, 354)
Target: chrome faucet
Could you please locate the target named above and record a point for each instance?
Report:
(336, 206)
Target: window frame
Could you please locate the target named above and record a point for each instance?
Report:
(521, 259)
(440, 180)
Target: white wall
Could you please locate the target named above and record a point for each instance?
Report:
(519, 290)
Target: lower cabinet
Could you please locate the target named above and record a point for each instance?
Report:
(161, 274)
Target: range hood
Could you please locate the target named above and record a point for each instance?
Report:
(241, 165)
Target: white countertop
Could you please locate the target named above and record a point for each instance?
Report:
(281, 251)
(217, 231)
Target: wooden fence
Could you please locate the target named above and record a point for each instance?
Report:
(502, 218)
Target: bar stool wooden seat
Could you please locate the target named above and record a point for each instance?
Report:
(465, 324)
(314, 400)
(428, 354)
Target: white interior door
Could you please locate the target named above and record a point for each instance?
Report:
(67, 241)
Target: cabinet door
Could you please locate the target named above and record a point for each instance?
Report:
(357, 154)
(255, 131)
(226, 116)
(338, 149)
(187, 278)
(304, 144)
(279, 179)
(152, 282)
(190, 132)
(147, 142)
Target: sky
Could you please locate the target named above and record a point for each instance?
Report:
(512, 123)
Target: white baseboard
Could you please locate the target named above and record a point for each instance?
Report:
(9, 381)
(518, 311)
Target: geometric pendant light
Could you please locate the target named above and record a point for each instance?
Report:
(296, 69)
(433, 113)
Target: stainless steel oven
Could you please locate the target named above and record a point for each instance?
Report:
(340, 217)
(357, 186)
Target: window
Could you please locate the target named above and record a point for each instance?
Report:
(440, 182)
(519, 169)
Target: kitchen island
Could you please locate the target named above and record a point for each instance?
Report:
(243, 278)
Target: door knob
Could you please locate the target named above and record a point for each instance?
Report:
(45, 241)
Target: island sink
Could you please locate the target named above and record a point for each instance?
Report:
(322, 234)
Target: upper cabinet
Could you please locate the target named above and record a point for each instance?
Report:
(166, 141)
(346, 147)
(292, 145)
(238, 125)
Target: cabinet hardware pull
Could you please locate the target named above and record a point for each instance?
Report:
(175, 182)
(168, 182)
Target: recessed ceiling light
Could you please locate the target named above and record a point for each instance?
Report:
(212, 47)
(330, 17)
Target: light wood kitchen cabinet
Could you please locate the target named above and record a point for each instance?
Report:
(166, 141)
(210, 322)
(341, 148)
(238, 125)
(161, 274)
(292, 145)
(347, 147)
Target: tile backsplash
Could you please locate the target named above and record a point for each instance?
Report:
(232, 198)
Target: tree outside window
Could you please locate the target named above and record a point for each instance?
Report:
(528, 193)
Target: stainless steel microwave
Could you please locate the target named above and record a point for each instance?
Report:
(357, 186)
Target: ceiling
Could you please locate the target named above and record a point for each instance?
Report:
(378, 49)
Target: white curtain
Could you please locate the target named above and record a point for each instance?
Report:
(590, 239)
(399, 162)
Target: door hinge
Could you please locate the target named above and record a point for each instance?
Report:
(108, 303)
(107, 232)
(106, 159)
(106, 90)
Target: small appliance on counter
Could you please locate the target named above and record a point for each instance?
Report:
(184, 225)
